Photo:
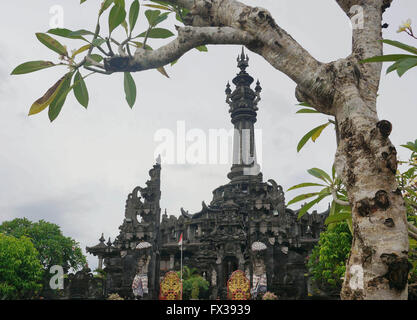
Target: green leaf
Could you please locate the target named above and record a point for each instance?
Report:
(202, 48)
(95, 57)
(318, 132)
(98, 42)
(156, 6)
(333, 172)
(116, 17)
(32, 66)
(411, 146)
(302, 197)
(152, 15)
(162, 3)
(157, 33)
(307, 111)
(51, 43)
(105, 5)
(133, 14)
(44, 101)
(161, 18)
(80, 90)
(307, 206)
(130, 89)
(401, 45)
(80, 50)
(387, 58)
(79, 33)
(155, 17)
(124, 25)
(304, 104)
(393, 67)
(340, 217)
(310, 134)
(319, 173)
(66, 33)
(405, 65)
(56, 105)
(304, 185)
(178, 17)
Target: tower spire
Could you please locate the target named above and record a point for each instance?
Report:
(242, 60)
(243, 103)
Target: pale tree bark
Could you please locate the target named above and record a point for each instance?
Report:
(365, 158)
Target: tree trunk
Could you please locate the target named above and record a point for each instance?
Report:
(366, 160)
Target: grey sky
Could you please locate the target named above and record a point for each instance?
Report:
(77, 171)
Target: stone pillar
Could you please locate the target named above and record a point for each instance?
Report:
(100, 263)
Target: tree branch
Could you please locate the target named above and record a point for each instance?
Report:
(411, 227)
(366, 18)
(412, 234)
(337, 200)
(253, 27)
(188, 38)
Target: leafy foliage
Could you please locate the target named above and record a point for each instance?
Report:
(194, 286)
(327, 263)
(52, 246)
(331, 185)
(20, 269)
(407, 181)
(118, 17)
(315, 133)
(130, 89)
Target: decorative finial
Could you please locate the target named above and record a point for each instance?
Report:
(258, 87)
(243, 60)
(102, 238)
(228, 93)
(228, 90)
(158, 159)
(109, 243)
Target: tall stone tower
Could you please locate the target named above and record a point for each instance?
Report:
(243, 103)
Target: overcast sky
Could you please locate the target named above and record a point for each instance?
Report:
(78, 170)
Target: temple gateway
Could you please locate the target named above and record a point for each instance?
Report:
(245, 227)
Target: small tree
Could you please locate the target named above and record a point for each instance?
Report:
(20, 269)
(194, 286)
(52, 246)
(327, 263)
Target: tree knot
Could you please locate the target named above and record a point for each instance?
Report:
(385, 127)
(367, 206)
(398, 268)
